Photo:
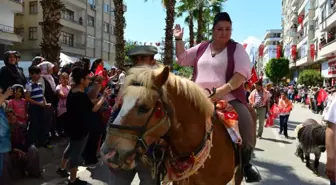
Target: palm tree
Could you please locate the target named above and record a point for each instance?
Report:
(188, 6)
(119, 32)
(51, 29)
(204, 6)
(168, 45)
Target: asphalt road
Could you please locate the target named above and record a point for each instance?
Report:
(274, 157)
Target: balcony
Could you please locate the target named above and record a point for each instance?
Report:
(14, 5)
(294, 17)
(270, 40)
(302, 7)
(70, 22)
(328, 47)
(329, 22)
(294, 2)
(75, 48)
(77, 3)
(301, 61)
(7, 34)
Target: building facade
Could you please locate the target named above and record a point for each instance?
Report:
(308, 36)
(8, 9)
(270, 43)
(88, 29)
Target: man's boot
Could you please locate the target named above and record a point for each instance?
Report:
(250, 174)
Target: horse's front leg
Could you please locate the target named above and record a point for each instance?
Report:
(317, 162)
(307, 158)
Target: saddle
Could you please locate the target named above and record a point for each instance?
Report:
(229, 118)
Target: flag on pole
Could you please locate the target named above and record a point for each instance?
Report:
(254, 77)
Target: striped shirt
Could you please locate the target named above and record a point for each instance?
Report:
(36, 91)
(259, 99)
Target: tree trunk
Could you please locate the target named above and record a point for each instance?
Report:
(119, 32)
(170, 15)
(200, 25)
(191, 29)
(51, 29)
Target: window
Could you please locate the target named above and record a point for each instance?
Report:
(323, 14)
(91, 20)
(112, 11)
(306, 11)
(32, 33)
(106, 8)
(19, 31)
(68, 14)
(106, 45)
(111, 30)
(90, 41)
(92, 2)
(67, 38)
(33, 7)
(106, 27)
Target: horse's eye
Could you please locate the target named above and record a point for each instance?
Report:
(143, 109)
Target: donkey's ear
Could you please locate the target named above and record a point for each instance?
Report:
(161, 77)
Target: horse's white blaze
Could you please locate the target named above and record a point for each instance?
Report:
(128, 104)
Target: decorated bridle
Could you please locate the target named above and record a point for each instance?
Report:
(159, 110)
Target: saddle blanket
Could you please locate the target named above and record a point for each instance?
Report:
(229, 117)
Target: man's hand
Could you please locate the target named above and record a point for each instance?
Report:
(331, 169)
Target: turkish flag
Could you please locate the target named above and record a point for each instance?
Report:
(254, 77)
(244, 45)
(100, 72)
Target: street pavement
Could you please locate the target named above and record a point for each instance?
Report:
(273, 157)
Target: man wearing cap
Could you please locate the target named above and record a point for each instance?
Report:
(140, 55)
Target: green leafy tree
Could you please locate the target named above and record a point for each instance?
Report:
(182, 71)
(276, 69)
(128, 46)
(310, 77)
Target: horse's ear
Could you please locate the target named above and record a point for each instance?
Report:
(161, 77)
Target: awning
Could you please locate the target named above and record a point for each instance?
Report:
(6, 42)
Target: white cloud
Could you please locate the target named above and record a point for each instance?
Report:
(252, 47)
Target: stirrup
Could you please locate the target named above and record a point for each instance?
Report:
(252, 165)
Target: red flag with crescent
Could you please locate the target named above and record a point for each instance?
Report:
(254, 77)
(244, 45)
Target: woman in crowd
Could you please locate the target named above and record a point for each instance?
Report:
(79, 112)
(11, 74)
(286, 107)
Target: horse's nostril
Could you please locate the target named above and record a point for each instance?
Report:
(116, 156)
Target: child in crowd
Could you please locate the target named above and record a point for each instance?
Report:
(38, 132)
(5, 144)
(24, 157)
(19, 105)
(62, 91)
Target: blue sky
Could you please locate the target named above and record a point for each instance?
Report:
(146, 20)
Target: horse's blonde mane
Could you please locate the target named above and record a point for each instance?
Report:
(191, 91)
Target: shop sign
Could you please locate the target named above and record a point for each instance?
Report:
(332, 68)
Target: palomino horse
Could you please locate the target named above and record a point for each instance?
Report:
(157, 104)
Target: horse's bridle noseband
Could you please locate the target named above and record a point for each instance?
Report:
(142, 131)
